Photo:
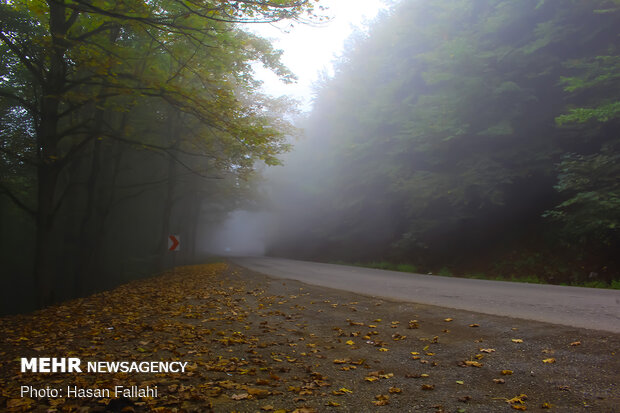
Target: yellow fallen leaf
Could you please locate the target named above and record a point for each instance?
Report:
(575, 343)
(517, 340)
(546, 406)
(395, 390)
(345, 390)
(487, 350)
(506, 372)
(549, 360)
(472, 363)
(428, 387)
(447, 320)
(381, 400)
(258, 393)
(384, 349)
(414, 353)
(474, 325)
(521, 407)
(517, 399)
(333, 404)
(350, 342)
(371, 379)
(460, 382)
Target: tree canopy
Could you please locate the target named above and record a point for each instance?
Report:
(112, 108)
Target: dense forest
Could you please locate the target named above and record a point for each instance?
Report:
(121, 123)
(465, 137)
(454, 137)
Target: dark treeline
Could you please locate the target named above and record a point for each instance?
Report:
(123, 122)
(466, 136)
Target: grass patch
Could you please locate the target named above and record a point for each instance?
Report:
(446, 272)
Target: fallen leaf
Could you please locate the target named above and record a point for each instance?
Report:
(546, 406)
(460, 382)
(350, 342)
(474, 325)
(258, 393)
(517, 340)
(487, 350)
(381, 400)
(395, 390)
(241, 396)
(499, 381)
(469, 363)
(428, 387)
(447, 320)
(549, 361)
(506, 372)
(517, 399)
(305, 410)
(575, 343)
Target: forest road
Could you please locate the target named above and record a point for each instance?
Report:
(591, 308)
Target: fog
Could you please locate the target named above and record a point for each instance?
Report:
(243, 233)
(448, 153)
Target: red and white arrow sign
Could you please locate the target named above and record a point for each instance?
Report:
(174, 243)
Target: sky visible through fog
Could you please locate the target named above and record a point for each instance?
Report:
(309, 50)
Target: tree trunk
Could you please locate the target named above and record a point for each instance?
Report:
(48, 169)
(170, 190)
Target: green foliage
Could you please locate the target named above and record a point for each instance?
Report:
(111, 109)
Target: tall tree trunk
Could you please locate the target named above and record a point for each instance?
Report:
(48, 167)
(87, 233)
(44, 261)
(170, 189)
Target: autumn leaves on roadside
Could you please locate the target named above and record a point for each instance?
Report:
(249, 348)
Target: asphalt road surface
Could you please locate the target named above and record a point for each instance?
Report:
(591, 308)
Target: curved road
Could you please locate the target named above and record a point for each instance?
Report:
(573, 306)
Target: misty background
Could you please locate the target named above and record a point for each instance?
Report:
(462, 138)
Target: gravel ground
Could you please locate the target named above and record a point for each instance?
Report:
(261, 344)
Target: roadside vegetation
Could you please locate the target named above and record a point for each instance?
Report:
(446, 272)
